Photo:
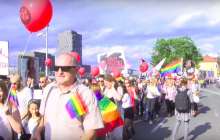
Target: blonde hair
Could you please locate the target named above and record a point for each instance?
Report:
(95, 87)
(16, 78)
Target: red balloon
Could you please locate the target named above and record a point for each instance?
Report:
(36, 14)
(143, 67)
(116, 74)
(76, 55)
(81, 71)
(95, 71)
(48, 62)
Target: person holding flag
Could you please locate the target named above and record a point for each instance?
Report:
(9, 115)
(20, 95)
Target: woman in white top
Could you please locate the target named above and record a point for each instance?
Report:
(32, 117)
(110, 91)
(128, 129)
(9, 116)
(152, 94)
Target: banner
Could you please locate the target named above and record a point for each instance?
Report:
(4, 58)
(111, 62)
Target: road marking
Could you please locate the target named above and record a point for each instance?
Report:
(212, 92)
(216, 113)
(158, 126)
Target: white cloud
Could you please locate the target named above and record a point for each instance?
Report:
(213, 15)
(101, 33)
(210, 39)
(181, 20)
(43, 50)
(207, 48)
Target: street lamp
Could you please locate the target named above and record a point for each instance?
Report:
(46, 45)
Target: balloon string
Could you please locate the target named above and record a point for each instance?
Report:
(26, 45)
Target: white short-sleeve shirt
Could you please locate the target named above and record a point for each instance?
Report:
(58, 124)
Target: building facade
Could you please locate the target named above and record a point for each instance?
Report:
(210, 66)
(70, 41)
(33, 65)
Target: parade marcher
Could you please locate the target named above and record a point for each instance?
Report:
(32, 118)
(194, 88)
(24, 94)
(183, 101)
(101, 82)
(60, 119)
(43, 82)
(152, 94)
(170, 93)
(141, 92)
(128, 129)
(9, 116)
(132, 92)
(110, 90)
(30, 83)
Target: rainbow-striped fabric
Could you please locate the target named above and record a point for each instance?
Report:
(110, 114)
(173, 67)
(13, 97)
(75, 106)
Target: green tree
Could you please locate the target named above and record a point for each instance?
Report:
(182, 47)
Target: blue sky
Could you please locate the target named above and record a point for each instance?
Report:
(105, 25)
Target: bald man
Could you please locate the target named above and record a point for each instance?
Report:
(57, 122)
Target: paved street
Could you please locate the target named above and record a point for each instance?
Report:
(206, 126)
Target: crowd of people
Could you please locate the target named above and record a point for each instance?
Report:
(69, 108)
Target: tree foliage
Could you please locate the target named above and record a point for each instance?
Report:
(182, 47)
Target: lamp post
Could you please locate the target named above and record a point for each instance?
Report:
(46, 45)
(46, 66)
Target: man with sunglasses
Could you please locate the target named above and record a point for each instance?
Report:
(43, 82)
(57, 123)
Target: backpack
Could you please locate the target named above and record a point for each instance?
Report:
(182, 102)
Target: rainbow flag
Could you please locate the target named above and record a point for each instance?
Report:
(98, 95)
(13, 97)
(173, 67)
(110, 115)
(75, 106)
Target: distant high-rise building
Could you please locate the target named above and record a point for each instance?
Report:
(33, 65)
(70, 41)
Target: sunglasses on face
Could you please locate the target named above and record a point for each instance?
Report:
(14, 83)
(64, 68)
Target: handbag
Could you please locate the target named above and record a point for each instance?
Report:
(24, 135)
(195, 98)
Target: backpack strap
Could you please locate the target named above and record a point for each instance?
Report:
(45, 103)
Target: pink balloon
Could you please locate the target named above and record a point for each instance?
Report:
(95, 71)
(76, 55)
(116, 73)
(81, 71)
(143, 67)
(36, 14)
(48, 62)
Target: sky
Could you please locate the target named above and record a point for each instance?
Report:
(107, 25)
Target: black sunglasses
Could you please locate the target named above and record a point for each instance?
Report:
(63, 68)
